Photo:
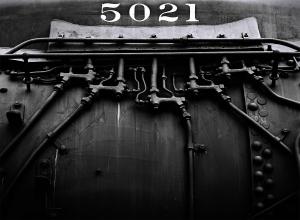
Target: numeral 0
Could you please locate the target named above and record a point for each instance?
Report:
(146, 12)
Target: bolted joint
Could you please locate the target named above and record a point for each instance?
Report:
(59, 87)
(225, 61)
(87, 100)
(200, 149)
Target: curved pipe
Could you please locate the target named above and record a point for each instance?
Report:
(152, 40)
(119, 89)
(50, 136)
(276, 96)
(246, 117)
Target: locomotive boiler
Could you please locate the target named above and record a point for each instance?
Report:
(149, 109)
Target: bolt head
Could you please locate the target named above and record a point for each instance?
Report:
(259, 175)
(259, 189)
(256, 145)
(258, 160)
(267, 153)
(270, 197)
(269, 182)
(268, 167)
(252, 106)
(260, 205)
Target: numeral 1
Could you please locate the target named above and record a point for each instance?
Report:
(192, 13)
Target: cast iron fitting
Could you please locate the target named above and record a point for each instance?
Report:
(89, 65)
(88, 100)
(185, 114)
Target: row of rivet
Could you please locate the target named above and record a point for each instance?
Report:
(263, 168)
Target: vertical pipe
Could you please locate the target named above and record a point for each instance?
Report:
(121, 70)
(154, 75)
(26, 71)
(191, 173)
(193, 76)
(192, 68)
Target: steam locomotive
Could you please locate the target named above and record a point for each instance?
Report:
(149, 109)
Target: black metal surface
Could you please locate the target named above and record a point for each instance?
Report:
(207, 82)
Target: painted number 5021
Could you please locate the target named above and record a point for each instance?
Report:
(110, 13)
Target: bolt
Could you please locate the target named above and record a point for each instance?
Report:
(268, 167)
(189, 36)
(267, 153)
(260, 205)
(252, 106)
(269, 182)
(258, 160)
(221, 36)
(256, 145)
(259, 175)
(63, 149)
(259, 189)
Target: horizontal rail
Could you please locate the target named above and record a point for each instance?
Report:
(154, 40)
(142, 53)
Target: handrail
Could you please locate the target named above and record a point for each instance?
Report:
(153, 40)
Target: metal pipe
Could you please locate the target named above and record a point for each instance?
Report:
(121, 70)
(123, 53)
(259, 81)
(29, 123)
(57, 90)
(94, 91)
(153, 87)
(50, 136)
(252, 122)
(154, 40)
(191, 169)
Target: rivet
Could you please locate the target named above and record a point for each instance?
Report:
(267, 153)
(63, 149)
(260, 205)
(263, 113)
(3, 90)
(270, 197)
(252, 106)
(256, 145)
(268, 167)
(269, 182)
(261, 101)
(259, 189)
(259, 175)
(258, 160)
(251, 95)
